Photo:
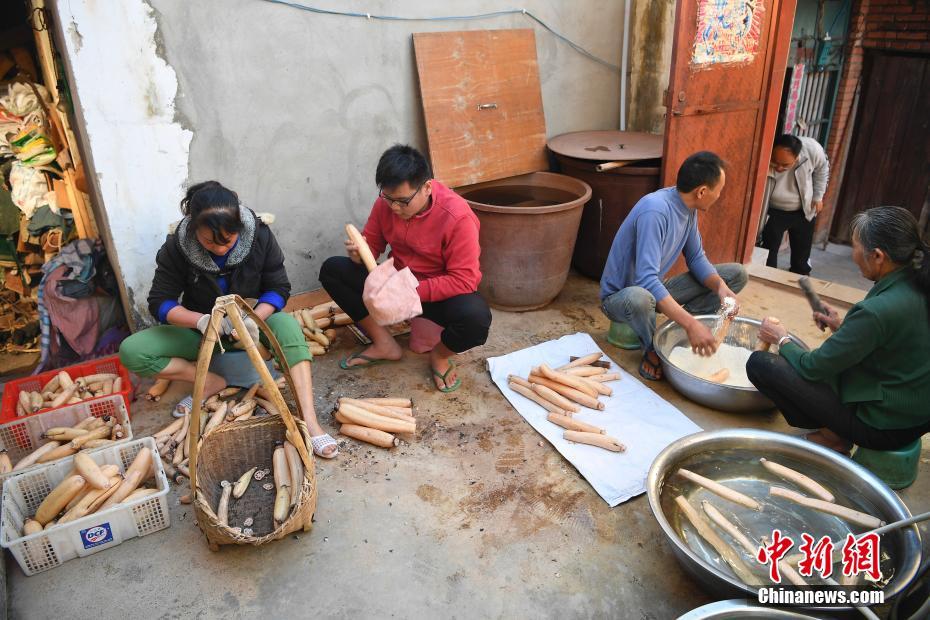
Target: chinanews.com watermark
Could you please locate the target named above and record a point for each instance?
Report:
(821, 598)
(814, 577)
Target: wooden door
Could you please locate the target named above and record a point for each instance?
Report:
(889, 156)
(728, 69)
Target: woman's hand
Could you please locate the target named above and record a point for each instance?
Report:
(250, 325)
(829, 318)
(772, 330)
(225, 326)
(352, 252)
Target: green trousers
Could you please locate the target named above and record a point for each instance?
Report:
(148, 352)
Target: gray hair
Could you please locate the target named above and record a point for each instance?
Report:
(894, 231)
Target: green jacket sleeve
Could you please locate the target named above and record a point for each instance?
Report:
(857, 337)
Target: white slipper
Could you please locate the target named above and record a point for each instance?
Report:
(184, 407)
(321, 442)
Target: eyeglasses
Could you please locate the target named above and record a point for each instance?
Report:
(401, 202)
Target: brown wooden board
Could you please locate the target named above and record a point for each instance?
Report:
(730, 109)
(608, 145)
(889, 157)
(482, 104)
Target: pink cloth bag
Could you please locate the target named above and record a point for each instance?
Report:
(391, 295)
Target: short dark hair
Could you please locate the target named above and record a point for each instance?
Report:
(216, 207)
(787, 141)
(701, 168)
(402, 163)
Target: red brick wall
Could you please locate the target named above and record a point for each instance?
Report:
(893, 25)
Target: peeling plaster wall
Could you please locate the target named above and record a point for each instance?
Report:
(653, 23)
(125, 93)
(292, 109)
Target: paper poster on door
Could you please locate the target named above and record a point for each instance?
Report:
(728, 31)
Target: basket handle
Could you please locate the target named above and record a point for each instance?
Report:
(229, 305)
(207, 345)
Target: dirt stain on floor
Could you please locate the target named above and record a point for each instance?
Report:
(430, 494)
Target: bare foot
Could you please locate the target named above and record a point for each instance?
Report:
(441, 364)
(377, 351)
(828, 439)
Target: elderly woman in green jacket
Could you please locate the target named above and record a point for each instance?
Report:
(869, 383)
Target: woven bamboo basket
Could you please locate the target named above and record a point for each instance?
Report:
(232, 449)
(227, 453)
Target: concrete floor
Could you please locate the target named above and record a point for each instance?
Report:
(478, 517)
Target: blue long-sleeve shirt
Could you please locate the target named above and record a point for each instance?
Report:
(657, 230)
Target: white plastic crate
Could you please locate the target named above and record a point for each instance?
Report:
(24, 435)
(23, 492)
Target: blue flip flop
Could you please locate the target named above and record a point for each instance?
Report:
(358, 355)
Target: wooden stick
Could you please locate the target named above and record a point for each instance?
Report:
(599, 363)
(536, 398)
(720, 376)
(718, 489)
(586, 371)
(574, 425)
(570, 393)
(363, 417)
(726, 552)
(808, 484)
(369, 435)
(555, 398)
(391, 402)
(377, 409)
(568, 380)
(847, 514)
(584, 360)
(610, 376)
(595, 439)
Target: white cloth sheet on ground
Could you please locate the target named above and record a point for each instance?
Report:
(635, 415)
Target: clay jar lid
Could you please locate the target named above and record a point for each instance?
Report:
(607, 145)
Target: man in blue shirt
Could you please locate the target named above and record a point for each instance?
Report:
(660, 227)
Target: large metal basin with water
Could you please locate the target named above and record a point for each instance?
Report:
(731, 457)
(744, 332)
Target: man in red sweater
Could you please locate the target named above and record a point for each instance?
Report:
(433, 231)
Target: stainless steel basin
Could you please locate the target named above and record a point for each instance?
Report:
(741, 609)
(732, 457)
(744, 332)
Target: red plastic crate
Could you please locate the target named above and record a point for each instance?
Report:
(35, 383)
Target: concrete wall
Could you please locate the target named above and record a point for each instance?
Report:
(653, 23)
(124, 95)
(289, 108)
